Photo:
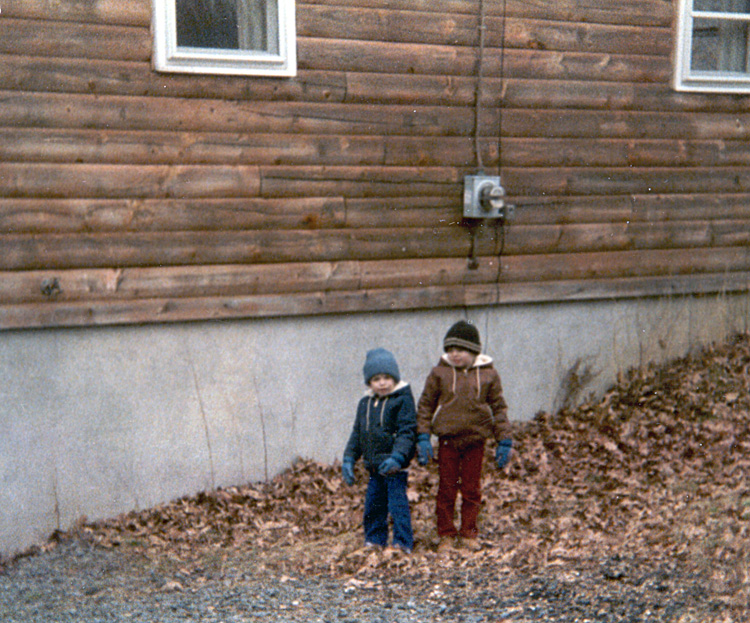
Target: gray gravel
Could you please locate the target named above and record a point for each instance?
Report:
(79, 581)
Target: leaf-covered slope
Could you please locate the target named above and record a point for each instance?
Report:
(656, 469)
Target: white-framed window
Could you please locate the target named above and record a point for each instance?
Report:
(244, 37)
(713, 46)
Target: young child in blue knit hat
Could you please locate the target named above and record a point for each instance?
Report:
(384, 436)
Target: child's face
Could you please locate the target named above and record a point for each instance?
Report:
(382, 384)
(460, 358)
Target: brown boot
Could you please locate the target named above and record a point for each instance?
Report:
(445, 546)
(471, 545)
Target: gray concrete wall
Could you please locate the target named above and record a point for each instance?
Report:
(100, 421)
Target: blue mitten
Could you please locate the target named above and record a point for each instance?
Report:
(424, 448)
(389, 466)
(502, 452)
(347, 471)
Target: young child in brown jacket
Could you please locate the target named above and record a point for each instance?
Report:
(463, 405)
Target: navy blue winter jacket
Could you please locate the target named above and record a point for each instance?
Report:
(384, 427)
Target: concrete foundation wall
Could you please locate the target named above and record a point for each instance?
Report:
(100, 421)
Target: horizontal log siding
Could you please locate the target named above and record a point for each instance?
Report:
(132, 196)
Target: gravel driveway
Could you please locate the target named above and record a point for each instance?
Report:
(79, 581)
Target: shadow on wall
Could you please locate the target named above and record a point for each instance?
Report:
(580, 376)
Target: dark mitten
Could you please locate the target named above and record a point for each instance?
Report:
(424, 448)
(502, 452)
(347, 471)
(389, 466)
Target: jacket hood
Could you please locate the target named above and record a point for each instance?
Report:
(480, 361)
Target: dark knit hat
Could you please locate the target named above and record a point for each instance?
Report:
(463, 335)
(380, 361)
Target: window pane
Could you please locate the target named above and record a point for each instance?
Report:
(722, 6)
(258, 20)
(233, 37)
(227, 24)
(720, 46)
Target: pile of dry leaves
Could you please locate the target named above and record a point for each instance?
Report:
(656, 469)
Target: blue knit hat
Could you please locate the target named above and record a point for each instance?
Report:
(380, 361)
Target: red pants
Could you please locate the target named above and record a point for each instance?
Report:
(459, 470)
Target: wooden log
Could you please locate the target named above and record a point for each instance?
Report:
(153, 147)
(176, 282)
(609, 289)
(73, 59)
(625, 209)
(572, 152)
(620, 264)
(76, 313)
(389, 25)
(458, 7)
(117, 113)
(636, 12)
(630, 180)
(533, 92)
(548, 268)
(32, 38)
(623, 79)
(560, 123)
(229, 149)
(288, 181)
(387, 212)
(241, 280)
(561, 35)
(45, 215)
(584, 66)
(138, 12)
(131, 13)
(576, 238)
(111, 215)
(134, 181)
(234, 280)
(442, 29)
(127, 181)
(353, 55)
(53, 110)
(116, 77)
(406, 58)
(613, 96)
(33, 252)
(414, 89)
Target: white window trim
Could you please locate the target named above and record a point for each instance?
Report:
(686, 79)
(168, 57)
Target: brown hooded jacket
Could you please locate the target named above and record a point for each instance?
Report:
(464, 403)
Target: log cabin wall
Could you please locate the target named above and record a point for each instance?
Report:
(130, 196)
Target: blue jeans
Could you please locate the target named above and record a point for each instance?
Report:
(387, 495)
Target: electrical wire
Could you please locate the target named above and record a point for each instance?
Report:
(501, 231)
(501, 225)
(478, 90)
(501, 97)
(473, 263)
